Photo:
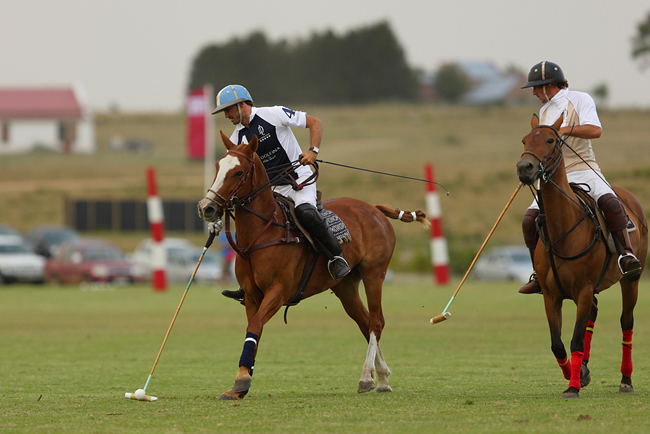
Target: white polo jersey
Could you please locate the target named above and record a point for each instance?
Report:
(578, 109)
(277, 143)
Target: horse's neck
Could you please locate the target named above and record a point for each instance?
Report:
(561, 211)
(247, 224)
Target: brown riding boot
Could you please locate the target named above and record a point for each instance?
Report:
(616, 220)
(532, 287)
(530, 238)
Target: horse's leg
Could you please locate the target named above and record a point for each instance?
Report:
(348, 292)
(630, 293)
(383, 372)
(271, 303)
(553, 307)
(585, 375)
(584, 303)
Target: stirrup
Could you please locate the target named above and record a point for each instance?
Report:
(633, 273)
(344, 268)
(533, 283)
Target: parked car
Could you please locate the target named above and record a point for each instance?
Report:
(8, 230)
(46, 239)
(504, 263)
(90, 261)
(182, 257)
(18, 263)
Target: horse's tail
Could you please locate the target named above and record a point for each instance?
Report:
(405, 216)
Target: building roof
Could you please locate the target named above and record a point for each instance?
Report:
(39, 103)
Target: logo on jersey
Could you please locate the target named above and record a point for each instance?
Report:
(289, 113)
(260, 129)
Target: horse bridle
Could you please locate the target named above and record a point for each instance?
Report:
(229, 202)
(551, 163)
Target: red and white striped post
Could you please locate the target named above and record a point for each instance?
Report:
(156, 224)
(438, 243)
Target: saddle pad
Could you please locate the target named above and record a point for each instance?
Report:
(337, 226)
(334, 222)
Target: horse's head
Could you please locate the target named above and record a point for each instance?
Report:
(542, 151)
(233, 177)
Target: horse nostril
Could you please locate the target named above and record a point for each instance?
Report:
(209, 211)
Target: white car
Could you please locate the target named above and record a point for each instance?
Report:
(504, 263)
(182, 257)
(18, 263)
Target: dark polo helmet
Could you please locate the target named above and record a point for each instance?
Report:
(544, 73)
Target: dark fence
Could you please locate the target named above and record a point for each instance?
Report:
(130, 215)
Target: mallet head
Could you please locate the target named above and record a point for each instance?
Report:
(146, 397)
(440, 318)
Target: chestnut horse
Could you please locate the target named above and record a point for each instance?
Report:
(269, 272)
(573, 261)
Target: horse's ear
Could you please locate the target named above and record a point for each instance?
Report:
(534, 121)
(558, 122)
(226, 141)
(253, 144)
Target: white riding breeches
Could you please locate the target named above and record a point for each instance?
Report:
(306, 195)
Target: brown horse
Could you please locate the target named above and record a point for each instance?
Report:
(573, 261)
(269, 271)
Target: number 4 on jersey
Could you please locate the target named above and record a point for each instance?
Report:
(289, 113)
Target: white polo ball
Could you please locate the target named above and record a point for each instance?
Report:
(139, 394)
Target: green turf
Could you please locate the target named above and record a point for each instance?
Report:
(67, 357)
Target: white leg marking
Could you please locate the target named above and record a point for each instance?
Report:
(383, 372)
(368, 374)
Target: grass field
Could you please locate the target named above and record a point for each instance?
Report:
(68, 356)
(473, 150)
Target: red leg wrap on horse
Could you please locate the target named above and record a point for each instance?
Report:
(626, 364)
(576, 365)
(566, 367)
(589, 333)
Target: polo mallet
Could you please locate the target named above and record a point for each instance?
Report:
(141, 394)
(445, 314)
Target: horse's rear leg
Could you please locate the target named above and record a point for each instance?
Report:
(630, 293)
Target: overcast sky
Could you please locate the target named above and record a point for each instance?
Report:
(137, 54)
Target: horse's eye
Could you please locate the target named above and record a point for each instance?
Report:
(550, 141)
(239, 173)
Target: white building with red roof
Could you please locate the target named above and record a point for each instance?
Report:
(53, 118)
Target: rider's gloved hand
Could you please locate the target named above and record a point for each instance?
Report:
(215, 227)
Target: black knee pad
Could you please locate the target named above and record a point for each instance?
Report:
(308, 216)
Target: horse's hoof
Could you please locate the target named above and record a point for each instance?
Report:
(231, 396)
(242, 385)
(384, 389)
(366, 386)
(626, 388)
(585, 376)
(571, 393)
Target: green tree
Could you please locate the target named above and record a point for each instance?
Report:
(451, 83)
(641, 43)
(364, 65)
(601, 93)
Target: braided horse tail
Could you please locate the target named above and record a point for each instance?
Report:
(405, 216)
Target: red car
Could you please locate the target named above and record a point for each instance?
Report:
(79, 261)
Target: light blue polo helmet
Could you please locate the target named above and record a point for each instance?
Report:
(231, 95)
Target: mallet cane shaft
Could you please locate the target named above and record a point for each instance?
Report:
(445, 315)
(207, 245)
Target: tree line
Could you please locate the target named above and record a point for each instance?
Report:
(362, 66)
